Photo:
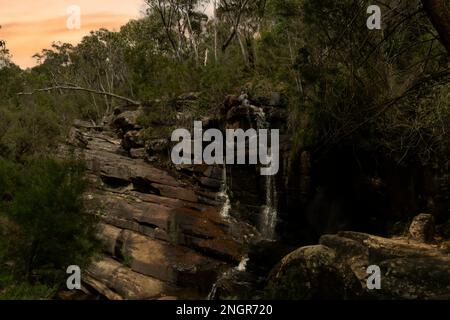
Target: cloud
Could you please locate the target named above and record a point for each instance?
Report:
(28, 32)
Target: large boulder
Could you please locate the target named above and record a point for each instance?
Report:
(312, 273)
(422, 228)
(127, 120)
(415, 278)
(339, 267)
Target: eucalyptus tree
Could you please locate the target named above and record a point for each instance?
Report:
(184, 24)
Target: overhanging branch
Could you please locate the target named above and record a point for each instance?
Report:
(76, 88)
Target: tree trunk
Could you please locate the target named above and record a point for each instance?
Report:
(439, 16)
(215, 31)
(250, 52)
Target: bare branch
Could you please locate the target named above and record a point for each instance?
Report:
(75, 88)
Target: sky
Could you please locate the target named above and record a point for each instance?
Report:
(28, 26)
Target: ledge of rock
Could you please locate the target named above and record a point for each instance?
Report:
(336, 268)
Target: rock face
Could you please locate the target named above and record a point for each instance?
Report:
(164, 236)
(337, 268)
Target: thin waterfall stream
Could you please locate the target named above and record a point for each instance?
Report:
(223, 195)
(269, 214)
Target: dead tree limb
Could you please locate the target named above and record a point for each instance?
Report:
(76, 88)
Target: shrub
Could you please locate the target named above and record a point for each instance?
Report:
(42, 202)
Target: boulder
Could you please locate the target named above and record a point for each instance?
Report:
(415, 278)
(127, 120)
(409, 269)
(312, 273)
(422, 228)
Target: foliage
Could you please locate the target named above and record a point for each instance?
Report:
(46, 227)
(10, 289)
(349, 85)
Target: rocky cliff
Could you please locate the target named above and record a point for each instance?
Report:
(163, 232)
(167, 235)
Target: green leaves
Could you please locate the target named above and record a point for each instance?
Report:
(42, 202)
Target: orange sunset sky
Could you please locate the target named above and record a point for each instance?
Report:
(28, 26)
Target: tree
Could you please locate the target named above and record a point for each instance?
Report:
(43, 201)
(351, 86)
(243, 19)
(183, 24)
(439, 15)
(5, 58)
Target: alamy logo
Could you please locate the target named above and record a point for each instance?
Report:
(374, 280)
(74, 280)
(74, 19)
(374, 20)
(234, 145)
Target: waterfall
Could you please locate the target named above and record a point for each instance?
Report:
(223, 195)
(242, 265)
(269, 214)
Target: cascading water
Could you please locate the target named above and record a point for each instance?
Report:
(223, 195)
(242, 265)
(269, 214)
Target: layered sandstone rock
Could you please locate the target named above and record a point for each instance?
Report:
(163, 235)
